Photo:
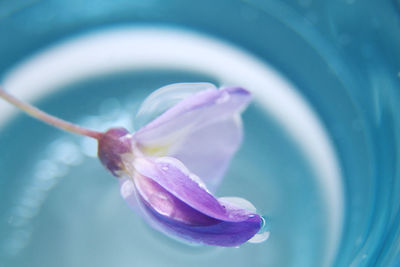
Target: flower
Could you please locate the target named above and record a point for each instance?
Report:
(166, 167)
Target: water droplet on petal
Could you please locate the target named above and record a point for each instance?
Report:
(239, 202)
(127, 188)
(262, 235)
(259, 238)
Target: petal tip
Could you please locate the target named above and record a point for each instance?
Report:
(237, 90)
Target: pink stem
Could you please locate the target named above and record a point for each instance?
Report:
(40, 115)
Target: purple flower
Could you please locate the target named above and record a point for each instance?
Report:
(167, 166)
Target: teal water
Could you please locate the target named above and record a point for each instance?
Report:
(340, 60)
(61, 208)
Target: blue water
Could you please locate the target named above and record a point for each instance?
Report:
(59, 208)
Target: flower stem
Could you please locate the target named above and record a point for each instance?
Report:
(43, 116)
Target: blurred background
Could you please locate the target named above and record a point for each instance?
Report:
(321, 149)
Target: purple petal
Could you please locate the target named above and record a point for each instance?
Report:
(203, 131)
(166, 204)
(166, 97)
(173, 176)
(221, 233)
(202, 108)
(128, 193)
(175, 202)
(208, 151)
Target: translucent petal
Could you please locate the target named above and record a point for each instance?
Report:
(166, 97)
(203, 131)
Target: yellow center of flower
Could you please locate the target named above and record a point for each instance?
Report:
(155, 150)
